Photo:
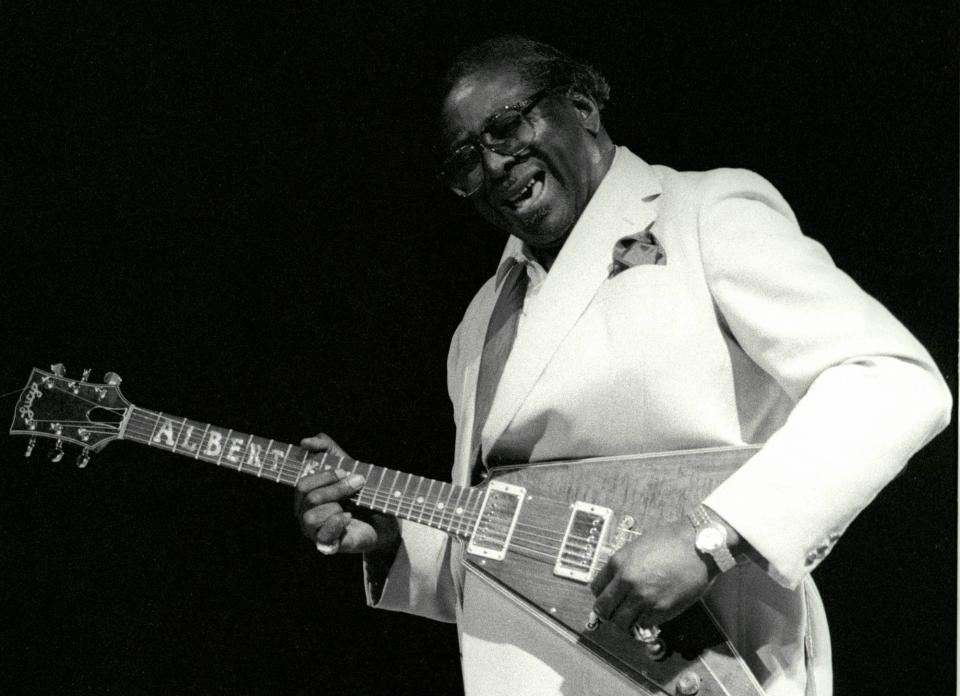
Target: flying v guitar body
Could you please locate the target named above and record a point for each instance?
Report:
(610, 501)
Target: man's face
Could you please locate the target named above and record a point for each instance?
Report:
(539, 194)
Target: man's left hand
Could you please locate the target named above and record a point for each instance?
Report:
(653, 579)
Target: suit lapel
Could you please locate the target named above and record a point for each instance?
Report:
(623, 204)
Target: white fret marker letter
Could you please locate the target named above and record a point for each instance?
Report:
(213, 443)
(236, 444)
(277, 458)
(166, 433)
(253, 456)
(185, 443)
(309, 468)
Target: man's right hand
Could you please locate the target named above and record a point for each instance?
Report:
(319, 506)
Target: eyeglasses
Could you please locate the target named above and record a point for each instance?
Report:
(509, 132)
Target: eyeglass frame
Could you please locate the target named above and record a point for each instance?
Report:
(523, 107)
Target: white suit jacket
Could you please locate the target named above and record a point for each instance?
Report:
(747, 334)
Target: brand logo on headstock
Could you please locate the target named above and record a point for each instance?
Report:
(26, 411)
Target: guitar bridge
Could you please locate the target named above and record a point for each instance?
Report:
(580, 548)
(496, 521)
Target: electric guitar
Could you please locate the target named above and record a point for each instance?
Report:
(538, 532)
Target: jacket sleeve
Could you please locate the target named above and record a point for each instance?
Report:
(419, 580)
(867, 394)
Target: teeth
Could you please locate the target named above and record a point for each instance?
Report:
(525, 192)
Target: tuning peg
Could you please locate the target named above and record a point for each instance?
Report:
(56, 454)
(113, 379)
(86, 375)
(31, 443)
(58, 369)
(83, 459)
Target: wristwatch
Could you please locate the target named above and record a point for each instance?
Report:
(711, 539)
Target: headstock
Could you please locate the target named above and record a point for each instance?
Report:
(81, 412)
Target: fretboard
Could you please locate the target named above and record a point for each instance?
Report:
(452, 509)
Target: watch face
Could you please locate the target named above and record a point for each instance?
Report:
(710, 539)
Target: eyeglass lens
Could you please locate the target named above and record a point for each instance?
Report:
(509, 134)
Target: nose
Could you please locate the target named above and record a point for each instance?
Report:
(495, 165)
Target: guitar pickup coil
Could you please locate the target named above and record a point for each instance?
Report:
(582, 542)
(497, 520)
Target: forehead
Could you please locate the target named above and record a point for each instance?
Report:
(475, 97)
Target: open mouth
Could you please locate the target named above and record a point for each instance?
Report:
(529, 194)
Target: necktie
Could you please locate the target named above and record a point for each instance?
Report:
(501, 332)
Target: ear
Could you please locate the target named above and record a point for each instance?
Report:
(587, 110)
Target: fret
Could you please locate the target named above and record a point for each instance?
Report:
(438, 506)
(459, 510)
(383, 473)
(238, 449)
(303, 463)
(393, 492)
(243, 454)
(254, 458)
(267, 454)
(200, 444)
(442, 505)
(156, 427)
(466, 514)
(417, 498)
(368, 482)
(470, 508)
(184, 444)
(223, 447)
(364, 489)
(433, 511)
(177, 438)
(282, 465)
(324, 459)
(426, 497)
(355, 463)
(449, 507)
(403, 495)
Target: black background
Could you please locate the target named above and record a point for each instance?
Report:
(232, 206)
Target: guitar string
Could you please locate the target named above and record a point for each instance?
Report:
(446, 519)
(497, 527)
(146, 414)
(436, 517)
(441, 518)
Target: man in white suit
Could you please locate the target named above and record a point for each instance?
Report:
(661, 310)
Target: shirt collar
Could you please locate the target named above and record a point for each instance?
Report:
(516, 252)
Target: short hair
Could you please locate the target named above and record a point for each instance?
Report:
(540, 64)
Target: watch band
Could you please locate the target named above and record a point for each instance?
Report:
(720, 553)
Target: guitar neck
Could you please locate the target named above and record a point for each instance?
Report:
(444, 506)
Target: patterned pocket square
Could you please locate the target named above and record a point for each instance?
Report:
(638, 249)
